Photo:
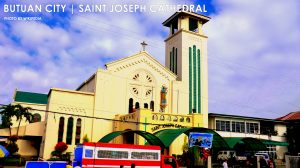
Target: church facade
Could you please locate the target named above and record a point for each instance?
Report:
(133, 93)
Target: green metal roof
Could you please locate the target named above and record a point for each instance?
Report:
(151, 139)
(167, 136)
(164, 138)
(249, 144)
(276, 143)
(233, 141)
(30, 97)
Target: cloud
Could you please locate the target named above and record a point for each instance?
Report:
(62, 51)
(25, 75)
(253, 47)
(36, 35)
(253, 58)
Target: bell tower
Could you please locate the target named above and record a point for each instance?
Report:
(186, 56)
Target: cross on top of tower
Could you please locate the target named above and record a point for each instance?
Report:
(144, 44)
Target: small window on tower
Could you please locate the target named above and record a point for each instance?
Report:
(174, 27)
(152, 105)
(137, 105)
(130, 106)
(193, 25)
(145, 105)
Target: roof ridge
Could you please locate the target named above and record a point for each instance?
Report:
(31, 92)
(31, 97)
(290, 116)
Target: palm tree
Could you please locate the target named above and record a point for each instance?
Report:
(18, 111)
(22, 113)
(7, 112)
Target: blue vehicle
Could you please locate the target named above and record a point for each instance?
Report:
(46, 164)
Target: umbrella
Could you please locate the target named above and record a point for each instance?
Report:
(3, 152)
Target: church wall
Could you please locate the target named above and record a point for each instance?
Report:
(177, 146)
(156, 121)
(26, 148)
(69, 102)
(191, 39)
(115, 100)
(143, 66)
(176, 42)
(110, 99)
(89, 85)
(127, 122)
(180, 98)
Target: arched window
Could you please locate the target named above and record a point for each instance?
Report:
(61, 129)
(130, 108)
(70, 130)
(188, 120)
(78, 131)
(168, 118)
(145, 105)
(175, 119)
(154, 117)
(152, 105)
(162, 117)
(181, 119)
(137, 105)
(37, 117)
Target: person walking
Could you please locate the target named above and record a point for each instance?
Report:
(263, 163)
(225, 165)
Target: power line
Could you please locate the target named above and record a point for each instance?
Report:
(93, 117)
(186, 93)
(126, 31)
(117, 33)
(214, 59)
(107, 119)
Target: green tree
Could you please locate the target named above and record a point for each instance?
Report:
(7, 112)
(18, 111)
(22, 113)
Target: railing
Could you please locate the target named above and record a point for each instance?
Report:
(171, 117)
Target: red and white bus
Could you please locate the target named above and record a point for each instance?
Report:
(107, 155)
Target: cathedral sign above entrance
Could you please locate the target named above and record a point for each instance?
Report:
(163, 126)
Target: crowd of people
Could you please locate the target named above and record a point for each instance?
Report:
(252, 163)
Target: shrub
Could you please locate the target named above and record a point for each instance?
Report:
(85, 138)
(66, 156)
(54, 159)
(12, 148)
(55, 153)
(13, 138)
(11, 161)
(61, 147)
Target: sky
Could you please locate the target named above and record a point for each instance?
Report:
(253, 50)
